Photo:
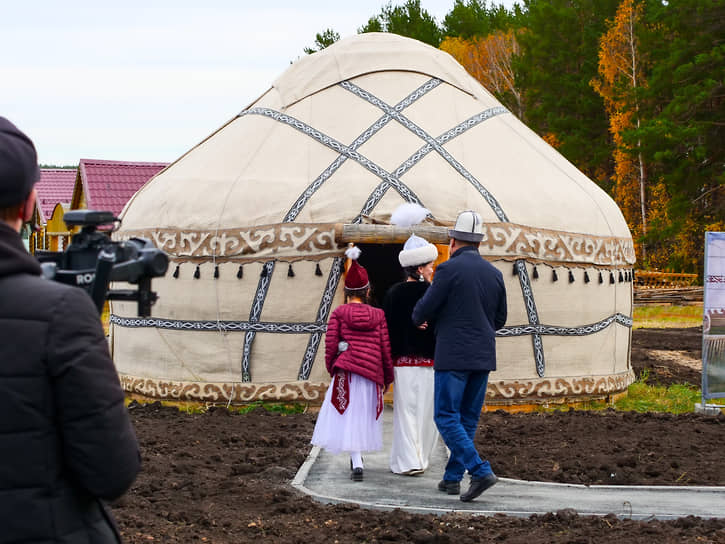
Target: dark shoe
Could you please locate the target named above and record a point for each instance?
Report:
(450, 487)
(357, 475)
(478, 486)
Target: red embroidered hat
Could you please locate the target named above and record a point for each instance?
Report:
(357, 276)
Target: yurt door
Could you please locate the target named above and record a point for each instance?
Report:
(381, 262)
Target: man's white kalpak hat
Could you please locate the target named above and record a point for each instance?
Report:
(468, 227)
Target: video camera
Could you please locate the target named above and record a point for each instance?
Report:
(92, 260)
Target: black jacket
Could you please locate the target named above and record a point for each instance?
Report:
(467, 301)
(66, 440)
(406, 338)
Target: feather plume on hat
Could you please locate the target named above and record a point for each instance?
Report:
(408, 214)
(417, 250)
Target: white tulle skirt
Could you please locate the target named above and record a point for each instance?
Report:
(414, 432)
(356, 429)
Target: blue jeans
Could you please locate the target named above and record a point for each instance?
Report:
(459, 396)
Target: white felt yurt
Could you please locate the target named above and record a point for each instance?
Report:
(255, 220)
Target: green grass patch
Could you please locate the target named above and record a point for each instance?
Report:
(641, 397)
(661, 316)
(675, 399)
(270, 407)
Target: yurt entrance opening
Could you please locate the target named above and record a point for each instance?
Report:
(384, 271)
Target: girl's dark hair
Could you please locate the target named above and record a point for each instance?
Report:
(411, 272)
(361, 293)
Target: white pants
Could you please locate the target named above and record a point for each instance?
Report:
(414, 432)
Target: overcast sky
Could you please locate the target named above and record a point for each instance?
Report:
(145, 80)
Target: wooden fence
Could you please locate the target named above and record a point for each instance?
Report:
(657, 280)
(666, 287)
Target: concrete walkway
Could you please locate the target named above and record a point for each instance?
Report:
(326, 477)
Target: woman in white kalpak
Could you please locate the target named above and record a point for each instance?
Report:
(414, 432)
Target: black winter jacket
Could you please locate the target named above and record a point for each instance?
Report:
(66, 440)
(467, 301)
(406, 338)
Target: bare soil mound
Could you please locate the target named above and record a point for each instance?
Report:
(224, 478)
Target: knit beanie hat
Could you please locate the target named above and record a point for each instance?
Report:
(357, 276)
(18, 164)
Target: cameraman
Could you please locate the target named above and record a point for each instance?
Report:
(66, 441)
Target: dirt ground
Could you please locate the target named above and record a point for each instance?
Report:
(224, 478)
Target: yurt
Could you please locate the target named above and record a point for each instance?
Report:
(255, 220)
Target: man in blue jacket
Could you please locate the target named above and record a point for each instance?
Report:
(66, 440)
(467, 304)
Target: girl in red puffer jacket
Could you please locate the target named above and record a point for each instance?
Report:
(357, 356)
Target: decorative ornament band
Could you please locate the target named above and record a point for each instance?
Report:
(259, 242)
(508, 391)
(510, 239)
(223, 392)
(507, 240)
(534, 390)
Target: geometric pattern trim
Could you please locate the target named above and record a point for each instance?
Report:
(359, 141)
(215, 326)
(521, 330)
(260, 296)
(319, 327)
(333, 279)
(533, 316)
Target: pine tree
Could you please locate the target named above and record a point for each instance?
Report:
(683, 134)
(558, 60)
(407, 20)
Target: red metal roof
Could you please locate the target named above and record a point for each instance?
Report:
(55, 186)
(109, 185)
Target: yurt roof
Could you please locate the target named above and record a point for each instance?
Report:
(364, 54)
(358, 128)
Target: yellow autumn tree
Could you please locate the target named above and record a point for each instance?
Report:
(488, 59)
(621, 75)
